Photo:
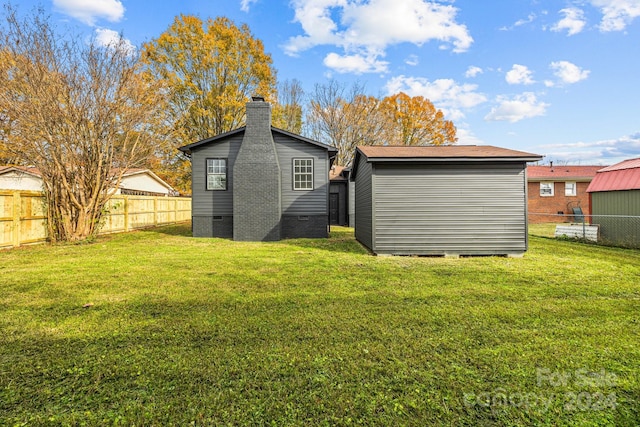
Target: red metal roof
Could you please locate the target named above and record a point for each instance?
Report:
(625, 164)
(556, 173)
(621, 176)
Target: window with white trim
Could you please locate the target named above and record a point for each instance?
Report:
(546, 189)
(570, 189)
(303, 174)
(216, 174)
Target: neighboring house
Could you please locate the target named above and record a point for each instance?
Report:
(143, 182)
(20, 178)
(339, 206)
(444, 200)
(260, 183)
(140, 182)
(558, 190)
(615, 202)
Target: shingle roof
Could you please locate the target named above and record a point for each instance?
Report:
(577, 173)
(621, 176)
(444, 152)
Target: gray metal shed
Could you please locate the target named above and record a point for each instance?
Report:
(444, 200)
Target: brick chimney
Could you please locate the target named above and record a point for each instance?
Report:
(256, 179)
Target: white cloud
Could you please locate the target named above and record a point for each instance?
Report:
(519, 74)
(568, 73)
(466, 137)
(473, 71)
(520, 107)
(89, 11)
(371, 26)
(617, 14)
(520, 22)
(246, 4)
(356, 64)
(608, 151)
(573, 21)
(110, 38)
(412, 60)
(452, 98)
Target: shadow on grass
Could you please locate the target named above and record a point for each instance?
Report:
(341, 239)
(179, 229)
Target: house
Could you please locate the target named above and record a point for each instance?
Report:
(615, 202)
(141, 182)
(260, 183)
(20, 178)
(556, 193)
(441, 200)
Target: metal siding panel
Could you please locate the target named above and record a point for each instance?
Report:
(363, 204)
(210, 203)
(611, 203)
(295, 202)
(474, 209)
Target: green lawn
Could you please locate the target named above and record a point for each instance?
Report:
(183, 331)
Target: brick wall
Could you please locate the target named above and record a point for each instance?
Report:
(551, 205)
(256, 173)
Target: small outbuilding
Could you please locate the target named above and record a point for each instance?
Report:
(441, 200)
(614, 195)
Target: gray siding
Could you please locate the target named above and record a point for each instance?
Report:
(300, 202)
(209, 203)
(363, 202)
(340, 188)
(352, 203)
(613, 229)
(467, 209)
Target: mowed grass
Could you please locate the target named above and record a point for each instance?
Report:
(159, 328)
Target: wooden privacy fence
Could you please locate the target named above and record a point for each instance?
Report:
(23, 217)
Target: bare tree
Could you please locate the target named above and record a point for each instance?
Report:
(344, 118)
(80, 112)
(287, 113)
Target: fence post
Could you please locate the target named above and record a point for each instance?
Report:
(126, 213)
(17, 207)
(155, 210)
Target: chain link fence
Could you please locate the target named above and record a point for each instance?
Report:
(610, 230)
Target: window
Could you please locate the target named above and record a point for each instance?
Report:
(546, 189)
(216, 174)
(569, 188)
(303, 174)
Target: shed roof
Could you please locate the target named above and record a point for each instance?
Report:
(440, 153)
(551, 173)
(457, 152)
(621, 176)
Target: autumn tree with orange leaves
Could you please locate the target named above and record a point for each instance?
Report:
(209, 70)
(415, 121)
(345, 117)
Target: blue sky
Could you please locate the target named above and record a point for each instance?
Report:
(557, 78)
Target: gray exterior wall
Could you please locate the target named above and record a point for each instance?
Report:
(352, 203)
(303, 202)
(615, 230)
(207, 204)
(441, 209)
(363, 203)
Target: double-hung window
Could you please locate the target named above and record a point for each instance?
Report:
(216, 174)
(546, 189)
(303, 174)
(569, 188)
